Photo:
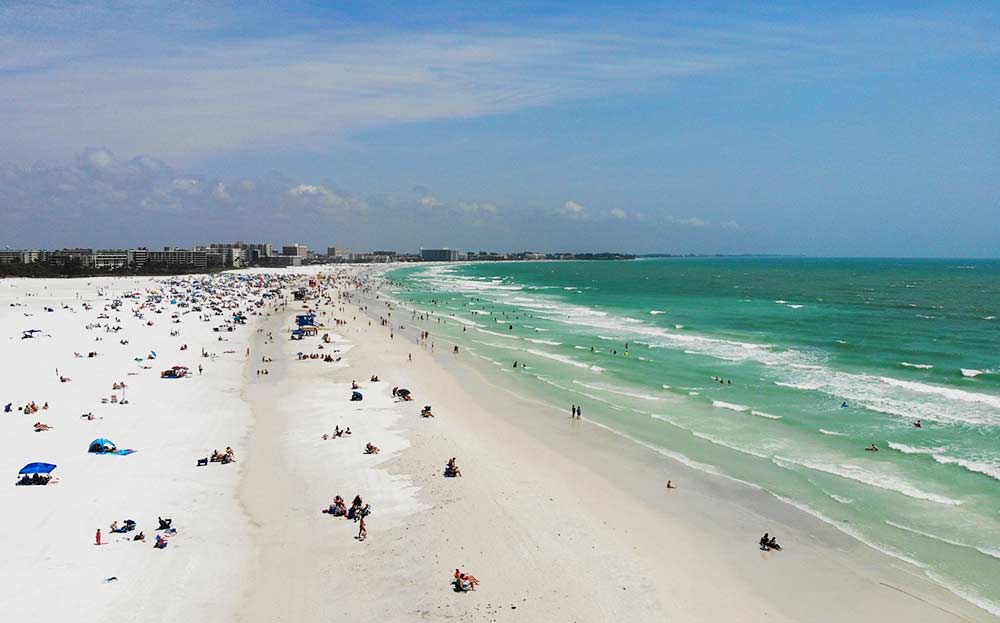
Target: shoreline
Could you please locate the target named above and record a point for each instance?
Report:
(850, 554)
(548, 494)
(559, 519)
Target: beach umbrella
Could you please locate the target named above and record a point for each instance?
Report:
(37, 468)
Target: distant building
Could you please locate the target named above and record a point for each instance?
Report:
(296, 250)
(439, 255)
(384, 253)
(137, 258)
(338, 253)
(23, 256)
(102, 259)
(371, 257)
(284, 260)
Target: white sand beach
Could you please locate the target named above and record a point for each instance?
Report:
(560, 520)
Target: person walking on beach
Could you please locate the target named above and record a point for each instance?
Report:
(97, 537)
(572, 411)
(199, 369)
(578, 412)
(362, 529)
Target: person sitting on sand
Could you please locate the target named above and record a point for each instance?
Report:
(139, 537)
(347, 432)
(763, 542)
(451, 470)
(370, 449)
(374, 378)
(773, 544)
(872, 448)
(671, 485)
(230, 454)
(426, 412)
(354, 385)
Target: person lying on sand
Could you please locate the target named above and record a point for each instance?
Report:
(370, 449)
(465, 581)
(39, 427)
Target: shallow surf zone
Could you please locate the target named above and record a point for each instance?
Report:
(828, 379)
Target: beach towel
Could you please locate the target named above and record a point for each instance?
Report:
(122, 452)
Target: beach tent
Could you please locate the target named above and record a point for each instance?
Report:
(355, 396)
(102, 446)
(403, 392)
(37, 468)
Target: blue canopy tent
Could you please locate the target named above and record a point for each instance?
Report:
(37, 468)
(102, 446)
(36, 474)
(305, 319)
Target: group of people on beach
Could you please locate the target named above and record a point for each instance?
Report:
(768, 542)
(337, 433)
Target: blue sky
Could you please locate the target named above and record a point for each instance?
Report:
(869, 129)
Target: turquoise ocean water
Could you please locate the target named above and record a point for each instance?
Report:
(639, 344)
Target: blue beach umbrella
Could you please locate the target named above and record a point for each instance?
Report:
(37, 468)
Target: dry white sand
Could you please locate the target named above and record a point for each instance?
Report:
(560, 520)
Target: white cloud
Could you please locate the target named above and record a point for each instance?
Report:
(307, 189)
(98, 158)
(691, 221)
(573, 209)
(220, 192)
(732, 225)
(187, 185)
(618, 213)
(429, 202)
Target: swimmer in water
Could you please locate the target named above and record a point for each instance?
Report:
(872, 448)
